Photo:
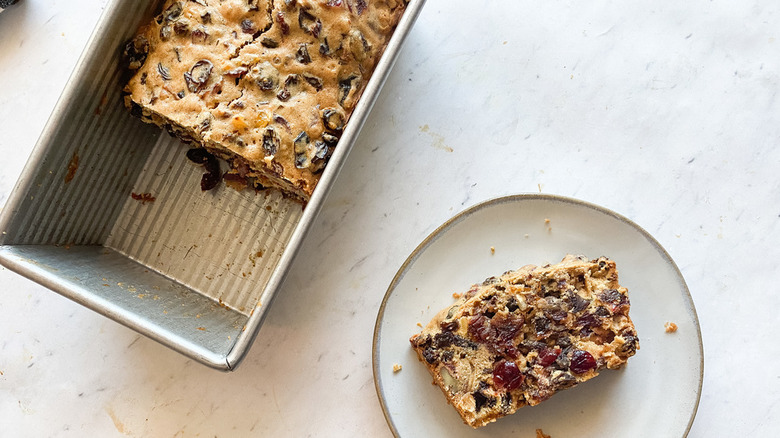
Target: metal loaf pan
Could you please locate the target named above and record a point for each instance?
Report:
(195, 271)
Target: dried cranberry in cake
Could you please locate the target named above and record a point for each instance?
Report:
(616, 301)
(582, 362)
(519, 338)
(497, 334)
(507, 376)
(547, 356)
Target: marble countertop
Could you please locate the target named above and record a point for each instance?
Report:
(666, 112)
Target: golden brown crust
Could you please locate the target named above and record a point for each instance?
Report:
(517, 339)
(269, 83)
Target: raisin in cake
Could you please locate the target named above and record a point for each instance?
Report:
(517, 339)
(267, 85)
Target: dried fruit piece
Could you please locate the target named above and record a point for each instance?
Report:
(282, 121)
(450, 326)
(248, 26)
(309, 23)
(269, 42)
(166, 32)
(348, 90)
(283, 26)
(629, 346)
(481, 400)
(312, 156)
(333, 119)
(164, 72)
(199, 155)
(507, 376)
(198, 75)
(322, 152)
(617, 302)
(302, 55)
(290, 86)
(301, 146)
(358, 45)
(210, 181)
(181, 27)
(547, 356)
(266, 76)
(271, 141)
(199, 35)
(582, 362)
(330, 140)
(312, 80)
(135, 52)
(172, 12)
(212, 175)
(324, 47)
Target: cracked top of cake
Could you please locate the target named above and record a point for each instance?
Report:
(266, 84)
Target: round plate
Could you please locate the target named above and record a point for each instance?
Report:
(656, 394)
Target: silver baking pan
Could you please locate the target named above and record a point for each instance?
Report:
(110, 214)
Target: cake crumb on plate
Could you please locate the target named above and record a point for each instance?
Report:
(670, 327)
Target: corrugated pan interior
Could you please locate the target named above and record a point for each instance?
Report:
(109, 213)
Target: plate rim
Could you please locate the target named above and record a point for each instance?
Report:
(521, 197)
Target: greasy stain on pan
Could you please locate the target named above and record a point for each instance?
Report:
(109, 213)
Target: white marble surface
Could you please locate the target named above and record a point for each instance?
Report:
(666, 112)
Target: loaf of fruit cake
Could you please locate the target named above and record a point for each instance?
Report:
(267, 85)
(517, 339)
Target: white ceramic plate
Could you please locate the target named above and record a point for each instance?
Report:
(655, 395)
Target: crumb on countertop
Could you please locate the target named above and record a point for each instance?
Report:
(540, 434)
(492, 249)
(670, 327)
(419, 324)
(456, 295)
(397, 367)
